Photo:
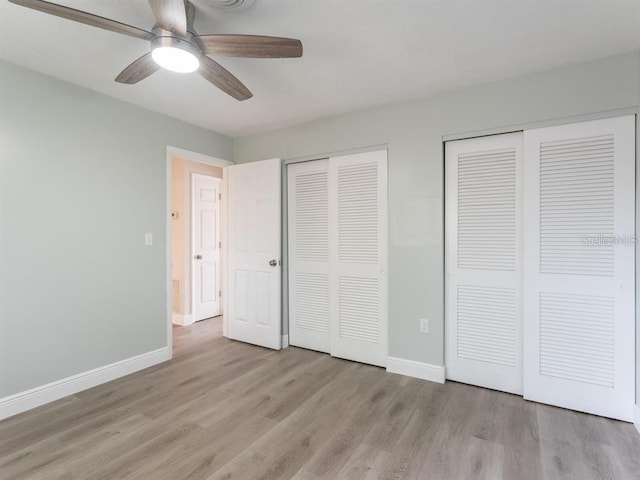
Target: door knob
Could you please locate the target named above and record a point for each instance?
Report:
(273, 263)
(198, 257)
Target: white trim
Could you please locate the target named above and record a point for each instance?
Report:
(169, 252)
(411, 368)
(339, 153)
(223, 252)
(196, 157)
(23, 401)
(182, 320)
(636, 417)
(285, 341)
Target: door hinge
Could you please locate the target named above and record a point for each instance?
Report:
(219, 196)
(219, 293)
(219, 244)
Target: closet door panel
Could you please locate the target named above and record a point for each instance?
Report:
(483, 261)
(358, 257)
(308, 207)
(579, 270)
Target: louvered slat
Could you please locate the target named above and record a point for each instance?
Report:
(312, 217)
(577, 338)
(486, 324)
(358, 213)
(487, 210)
(358, 308)
(576, 206)
(312, 301)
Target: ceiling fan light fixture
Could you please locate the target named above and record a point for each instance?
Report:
(175, 59)
(175, 54)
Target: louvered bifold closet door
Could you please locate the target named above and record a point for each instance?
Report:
(358, 256)
(483, 261)
(579, 269)
(308, 234)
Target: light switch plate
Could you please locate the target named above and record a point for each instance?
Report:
(424, 325)
(148, 239)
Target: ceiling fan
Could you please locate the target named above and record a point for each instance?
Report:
(177, 47)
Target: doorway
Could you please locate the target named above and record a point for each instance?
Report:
(195, 232)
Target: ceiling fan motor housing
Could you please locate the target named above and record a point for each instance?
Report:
(166, 38)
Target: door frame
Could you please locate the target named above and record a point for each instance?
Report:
(200, 158)
(219, 231)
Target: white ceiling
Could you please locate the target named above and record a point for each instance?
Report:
(357, 53)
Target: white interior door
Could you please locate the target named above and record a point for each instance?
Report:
(253, 307)
(358, 257)
(483, 261)
(579, 267)
(308, 231)
(206, 291)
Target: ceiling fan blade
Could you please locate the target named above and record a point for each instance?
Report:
(251, 46)
(170, 15)
(223, 79)
(84, 17)
(138, 70)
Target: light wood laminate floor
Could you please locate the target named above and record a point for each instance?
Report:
(225, 410)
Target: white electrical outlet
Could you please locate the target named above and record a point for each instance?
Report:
(424, 325)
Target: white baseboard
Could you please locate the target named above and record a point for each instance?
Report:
(182, 320)
(285, 341)
(636, 417)
(23, 401)
(411, 368)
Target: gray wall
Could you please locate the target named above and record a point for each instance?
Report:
(414, 134)
(82, 178)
